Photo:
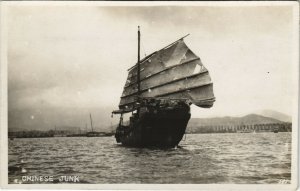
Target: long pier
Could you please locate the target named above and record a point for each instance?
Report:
(272, 127)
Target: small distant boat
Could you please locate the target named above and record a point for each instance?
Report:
(95, 134)
(59, 135)
(76, 135)
(276, 129)
(92, 133)
(245, 131)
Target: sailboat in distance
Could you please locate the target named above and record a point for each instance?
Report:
(158, 93)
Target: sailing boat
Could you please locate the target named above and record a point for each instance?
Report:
(94, 133)
(158, 93)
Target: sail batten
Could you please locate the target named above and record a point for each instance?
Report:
(173, 72)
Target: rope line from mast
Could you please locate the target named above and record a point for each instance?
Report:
(143, 47)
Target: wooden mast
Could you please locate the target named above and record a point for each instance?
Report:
(138, 70)
(138, 66)
(91, 122)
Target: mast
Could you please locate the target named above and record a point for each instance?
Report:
(138, 70)
(138, 66)
(91, 122)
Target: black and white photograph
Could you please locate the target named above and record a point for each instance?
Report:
(197, 94)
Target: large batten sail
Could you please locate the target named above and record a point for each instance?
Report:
(174, 72)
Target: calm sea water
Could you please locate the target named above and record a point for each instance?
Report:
(201, 158)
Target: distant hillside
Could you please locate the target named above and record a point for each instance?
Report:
(275, 114)
(68, 128)
(250, 119)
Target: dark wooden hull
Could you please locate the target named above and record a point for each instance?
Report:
(162, 128)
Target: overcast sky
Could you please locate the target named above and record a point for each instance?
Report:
(67, 61)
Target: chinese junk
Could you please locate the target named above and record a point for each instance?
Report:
(158, 92)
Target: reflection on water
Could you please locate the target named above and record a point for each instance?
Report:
(200, 159)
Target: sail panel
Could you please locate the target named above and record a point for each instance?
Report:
(161, 60)
(167, 76)
(197, 80)
(201, 96)
(186, 83)
(174, 85)
(157, 60)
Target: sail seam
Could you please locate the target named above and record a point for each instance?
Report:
(147, 77)
(179, 79)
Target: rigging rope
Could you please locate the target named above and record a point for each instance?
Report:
(185, 133)
(143, 48)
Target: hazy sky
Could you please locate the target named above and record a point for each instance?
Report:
(67, 61)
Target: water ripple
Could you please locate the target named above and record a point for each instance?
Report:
(201, 158)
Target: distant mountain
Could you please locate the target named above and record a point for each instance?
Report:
(67, 128)
(250, 119)
(275, 114)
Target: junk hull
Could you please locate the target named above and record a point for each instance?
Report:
(158, 128)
